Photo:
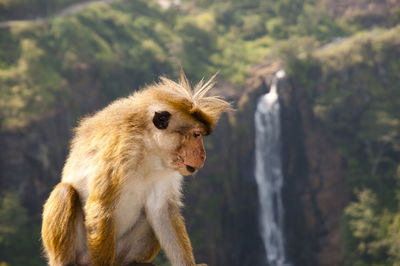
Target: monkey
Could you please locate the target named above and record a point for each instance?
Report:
(119, 198)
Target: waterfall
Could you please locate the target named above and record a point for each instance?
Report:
(268, 173)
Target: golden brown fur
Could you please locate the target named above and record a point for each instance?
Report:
(123, 175)
(63, 203)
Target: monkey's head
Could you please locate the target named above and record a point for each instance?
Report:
(180, 118)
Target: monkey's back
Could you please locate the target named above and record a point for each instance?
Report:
(103, 143)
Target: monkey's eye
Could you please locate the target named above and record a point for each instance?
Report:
(161, 119)
(196, 134)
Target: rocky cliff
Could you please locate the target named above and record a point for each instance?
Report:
(315, 193)
(31, 158)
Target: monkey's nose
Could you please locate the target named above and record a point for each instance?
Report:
(190, 168)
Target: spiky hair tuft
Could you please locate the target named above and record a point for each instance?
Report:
(193, 101)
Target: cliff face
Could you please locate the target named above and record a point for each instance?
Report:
(315, 192)
(31, 159)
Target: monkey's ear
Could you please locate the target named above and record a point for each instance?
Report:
(161, 119)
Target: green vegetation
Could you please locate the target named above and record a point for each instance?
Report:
(114, 51)
(108, 50)
(82, 61)
(19, 235)
(353, 89)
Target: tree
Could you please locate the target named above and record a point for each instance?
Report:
(368, 231)
(12, 216)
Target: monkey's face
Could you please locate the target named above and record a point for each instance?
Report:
(180, 140)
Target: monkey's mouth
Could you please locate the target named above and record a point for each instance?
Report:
(190, 169)
(180, 165)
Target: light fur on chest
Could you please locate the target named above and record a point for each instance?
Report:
(154, 190)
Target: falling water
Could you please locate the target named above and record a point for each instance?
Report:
(269, 175)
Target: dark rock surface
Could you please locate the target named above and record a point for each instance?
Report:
(315, 192)
(31, 159)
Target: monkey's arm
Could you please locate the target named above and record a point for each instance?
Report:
(169, 227)
(100, 222)
(100, 230)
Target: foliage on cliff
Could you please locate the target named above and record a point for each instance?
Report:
(49, 60)
(81, 62)
(108, 50)
(352, 87)
(18, 234)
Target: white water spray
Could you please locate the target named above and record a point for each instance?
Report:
(268, 173)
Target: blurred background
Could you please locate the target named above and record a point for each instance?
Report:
(307, 175)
